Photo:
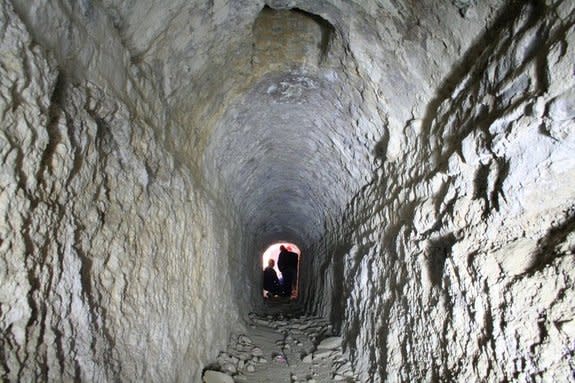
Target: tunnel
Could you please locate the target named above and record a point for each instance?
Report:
(419, 154)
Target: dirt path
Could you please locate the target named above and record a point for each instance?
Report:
(283, 350)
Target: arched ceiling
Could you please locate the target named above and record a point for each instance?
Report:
(278, 106)
(289, 154)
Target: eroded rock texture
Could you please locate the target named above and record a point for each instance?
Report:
(421, 154)
(461, 259)
(107, 246)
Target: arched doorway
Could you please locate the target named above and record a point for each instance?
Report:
(273, 253)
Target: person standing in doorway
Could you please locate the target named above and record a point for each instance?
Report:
(287, 263)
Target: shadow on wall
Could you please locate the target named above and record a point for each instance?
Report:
(438, 250)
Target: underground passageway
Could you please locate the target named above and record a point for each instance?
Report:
(418, 154)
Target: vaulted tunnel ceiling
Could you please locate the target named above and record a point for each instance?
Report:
(274, 105)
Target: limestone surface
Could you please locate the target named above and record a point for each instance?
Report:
(419, 153)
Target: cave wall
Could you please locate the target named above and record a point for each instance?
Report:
(111, 254)
(459, 259)
(431, 191)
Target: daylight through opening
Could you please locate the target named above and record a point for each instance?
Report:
(280, 265)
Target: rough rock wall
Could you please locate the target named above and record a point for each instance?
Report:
(398, 52)
(461, 266)
(110, 255)
(312, 78)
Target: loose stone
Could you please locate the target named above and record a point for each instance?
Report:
(330, 343)
(217, 377)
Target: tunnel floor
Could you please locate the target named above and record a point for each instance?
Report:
(282, 348)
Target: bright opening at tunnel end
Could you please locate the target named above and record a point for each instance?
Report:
(272, 253)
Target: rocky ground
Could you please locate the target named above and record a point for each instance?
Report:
(279, 348)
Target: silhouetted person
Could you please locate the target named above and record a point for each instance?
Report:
(287, 263)
(271, 281)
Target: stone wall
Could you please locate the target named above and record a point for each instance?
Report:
(420, 154)
(461, 260)
(110, 253)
